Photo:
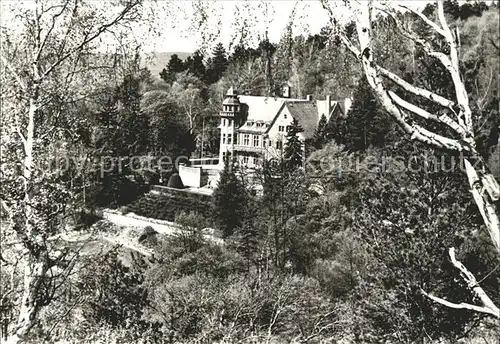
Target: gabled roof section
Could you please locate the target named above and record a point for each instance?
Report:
(263, 109)
(306, 113)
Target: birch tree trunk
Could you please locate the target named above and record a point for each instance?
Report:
(457, 116)
(49, 63)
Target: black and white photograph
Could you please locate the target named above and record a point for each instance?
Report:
(249, 171)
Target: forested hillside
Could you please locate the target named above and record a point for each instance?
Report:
(351, 245)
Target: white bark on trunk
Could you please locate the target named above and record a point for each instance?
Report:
(34, 273)
(483, 185)
(484, 202)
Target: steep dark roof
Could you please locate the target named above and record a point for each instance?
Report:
(306, 114)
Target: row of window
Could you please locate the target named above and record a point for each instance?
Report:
(229, 108)
(257, 124)
(246, 159)
(251, 160)
(282, 128)
(227, 139)
(228, 122)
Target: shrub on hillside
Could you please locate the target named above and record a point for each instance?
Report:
(168, 206)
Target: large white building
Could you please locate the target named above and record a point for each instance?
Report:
(254, 128)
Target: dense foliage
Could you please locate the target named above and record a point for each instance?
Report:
(336, 249)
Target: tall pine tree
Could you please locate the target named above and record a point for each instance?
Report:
(365, 124)
(294, 153)
(230, 201)
(320, 137)
(194, 65)
(175, 65)
(217, 64)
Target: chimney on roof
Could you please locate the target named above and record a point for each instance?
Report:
(309, 97)
(347, 104)
(328, 106)
(286, 91)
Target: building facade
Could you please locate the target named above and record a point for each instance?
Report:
(254, 128)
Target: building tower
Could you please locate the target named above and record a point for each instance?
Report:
(231, 109)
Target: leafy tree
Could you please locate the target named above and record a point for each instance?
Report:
(123, 132)
(230, 201)
(294, 152)
(51, 65)
(451, 128)
(169, 129)
(119, 297)
(186, 92)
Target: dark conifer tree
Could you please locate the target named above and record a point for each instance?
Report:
(230, 201)
(175, 65)
(294, 153)
(217, 64)
(194, 64)
(365, 124)
(320, 137)
(134, 125)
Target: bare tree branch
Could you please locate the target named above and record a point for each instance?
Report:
(424, 18)
(488, 306)
(424, 114)
(14, 73)
(89, 38)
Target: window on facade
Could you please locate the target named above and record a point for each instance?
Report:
(279, 144)
(288, 128)
(284, 116)
(229, 137)
(223, 138)
(245, 160)
(246, 140)
(230, 122)
(256, 140)
(281, 128)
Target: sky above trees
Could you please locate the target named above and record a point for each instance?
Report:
(310, 18)
(174, 25)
